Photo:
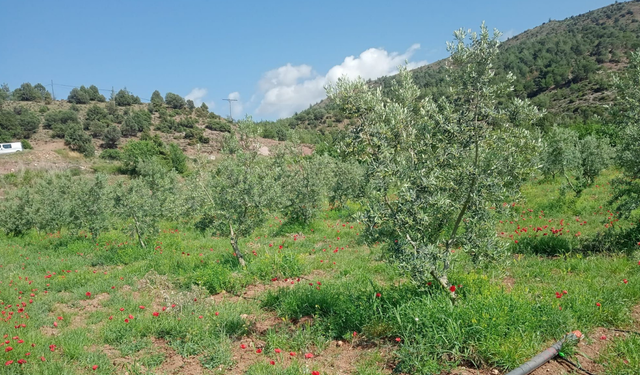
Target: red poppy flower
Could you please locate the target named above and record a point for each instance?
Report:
(258, 350)
(598, 304)
(272, 363)
(155, 313)
(452, 288)
(278, 350)
(88, 294)
(378, 295)
(94, 368)
(293, 354)
(243, 346)
(315, 372)
(308, 355)
(398, 339)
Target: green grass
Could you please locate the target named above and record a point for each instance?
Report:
(494, 323)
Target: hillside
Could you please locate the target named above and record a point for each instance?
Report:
(561, 66)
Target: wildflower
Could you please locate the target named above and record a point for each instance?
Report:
(603, 337)
(8, 349)
(378, 295)
(272, 363)
(155, 313)
(598, 304)
(398, 339)
(258, 350)
(126, 320)
(141, 307)
(625, 281)
(315, 372)
(94, 368)
(308, 355)
(293, 354)
(243, 346)
(278, 350)
(88, 294)
(452, 288)
(9, 362)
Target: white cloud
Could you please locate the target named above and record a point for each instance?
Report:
(196, 95)
(508, 35)
(284, 76)
(290, 89)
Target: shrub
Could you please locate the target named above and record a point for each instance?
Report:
(177, 158)
(112, 136)
(43, 109)
(97, 129)
(19, 123)
(136, 151)
(94, 94)
(124, 98)
(26, 92)
(136, 122)
(59, 117)
(26, 145)
(29, 123)
(79, 96)
(96, 113)
(58, 130)
(218, 125)
(129, 127)
(77, 140)
(111, 154)
(174, 101)
(156, 99)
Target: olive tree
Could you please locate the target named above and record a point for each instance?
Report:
(237, 194)
(435, 167)
(141, 201)
(303, 184)
(626, 112)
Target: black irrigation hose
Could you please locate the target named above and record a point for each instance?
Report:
(562, 357)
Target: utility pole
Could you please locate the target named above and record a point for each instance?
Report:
(230, 100)
(53, 93)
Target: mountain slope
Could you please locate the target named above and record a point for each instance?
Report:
(562, 66)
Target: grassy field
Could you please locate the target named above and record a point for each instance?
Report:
(315, 299)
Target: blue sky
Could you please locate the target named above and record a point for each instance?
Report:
(274, 56)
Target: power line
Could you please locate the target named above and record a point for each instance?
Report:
(230, 100)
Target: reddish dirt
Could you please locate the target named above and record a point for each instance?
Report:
(253, 291)
(508, 282)
(174, 363)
